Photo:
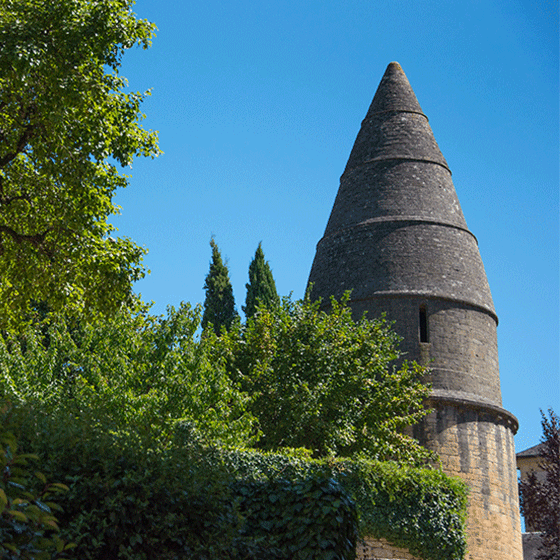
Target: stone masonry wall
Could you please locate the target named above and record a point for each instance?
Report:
(379, 258)
(476, 444)
(462, 351)
(380, 549)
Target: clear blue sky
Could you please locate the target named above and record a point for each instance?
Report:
(258, 104)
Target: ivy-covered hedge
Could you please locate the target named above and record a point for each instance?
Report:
(184, 502)
(420, 509)
(177, 506)
(130, 501)
(309, 518)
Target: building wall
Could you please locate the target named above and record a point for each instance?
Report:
(380, 549)
(527, 465)
(401, 257)
(476, 444)
(462, 347)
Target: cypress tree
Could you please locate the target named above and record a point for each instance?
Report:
(261, 289)
(219, 304)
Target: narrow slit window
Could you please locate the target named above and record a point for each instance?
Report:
(423, 324)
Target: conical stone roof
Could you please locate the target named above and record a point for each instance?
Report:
(396, 227)
(397, 238)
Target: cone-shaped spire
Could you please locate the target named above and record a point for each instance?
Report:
(396, 230)
(397, 238)
(395, 127)
(394, 93)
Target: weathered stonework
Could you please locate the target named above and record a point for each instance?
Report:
(398, 239)
(476, 443)
(380, 549)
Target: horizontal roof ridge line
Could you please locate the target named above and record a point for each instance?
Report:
(400, 158)
(428, 295)
(386, 219)
(372, 114)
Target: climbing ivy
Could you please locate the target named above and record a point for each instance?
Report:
(307, 518)
(421, 509)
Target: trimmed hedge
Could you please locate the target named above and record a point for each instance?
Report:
(308, 518)
(132, 502)
(420, 509)
(185, 503)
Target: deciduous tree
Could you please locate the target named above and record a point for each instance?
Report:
(322, 381)
(540, 498)
(142, 378)
(261, 289)
(66, 122)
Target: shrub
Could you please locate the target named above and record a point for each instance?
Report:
(421, 509)
(28, 528)
(308, 518)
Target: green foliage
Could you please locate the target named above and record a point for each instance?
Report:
(65, 120)
(324, 382)
(28, 527)
(219, 304)
(136, 413)
(131, 503)
(138, 377)
(183, 502)
(311, 518)
(261, 289)
(191, 501)
(421, 509)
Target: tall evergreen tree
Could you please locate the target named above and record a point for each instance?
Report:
(261, 289)
(219, 304)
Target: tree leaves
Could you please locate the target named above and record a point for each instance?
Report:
(26, 519)
(143, 378)
(261, 289)
(322, 381)
(65, 120)
(540, 495)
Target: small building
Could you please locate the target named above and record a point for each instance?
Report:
(529, 461)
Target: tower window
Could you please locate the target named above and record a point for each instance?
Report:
(423, 325)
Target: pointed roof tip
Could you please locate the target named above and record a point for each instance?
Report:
(394, 66)
(394, 93)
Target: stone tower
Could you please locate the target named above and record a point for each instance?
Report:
(397, 238)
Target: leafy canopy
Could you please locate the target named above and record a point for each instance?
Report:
(219, 304)
(324, 382)
(145, 379)
(66, 122)
(261, 289)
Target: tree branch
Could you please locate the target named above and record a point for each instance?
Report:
(20, 145)
(36, 240)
